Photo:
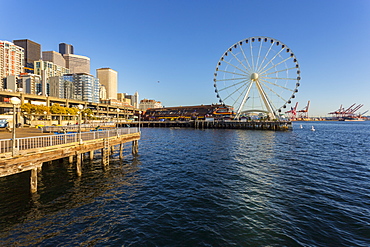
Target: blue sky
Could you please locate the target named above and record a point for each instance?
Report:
(179, 43)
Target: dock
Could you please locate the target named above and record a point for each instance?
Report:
(217, 124)
(30, 153)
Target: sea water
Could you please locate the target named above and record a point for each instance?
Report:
(212, 187)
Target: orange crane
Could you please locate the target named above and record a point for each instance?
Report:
(292, 113)
(303, 114)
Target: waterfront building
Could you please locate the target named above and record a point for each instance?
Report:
(77, 63)
(9, 83)
(50, 68)
(121, 97)
(46, 70)
(79, 86)
(215, 111)
(32, 53)
(30, 83)
(11, 59)
(102, 92)
(131, 99)
(54, 57)
(65, 49)
(149, 103)
(108, 77)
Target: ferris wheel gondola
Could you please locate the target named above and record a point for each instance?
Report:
(258, 74)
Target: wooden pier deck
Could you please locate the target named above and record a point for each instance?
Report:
(228, 124)
(32, 152)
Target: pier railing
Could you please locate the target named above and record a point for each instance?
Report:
(58, 139)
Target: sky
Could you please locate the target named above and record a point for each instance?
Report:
(167, 50)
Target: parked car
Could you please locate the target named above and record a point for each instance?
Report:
(3, 123)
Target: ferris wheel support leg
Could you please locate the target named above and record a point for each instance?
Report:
(266, 101)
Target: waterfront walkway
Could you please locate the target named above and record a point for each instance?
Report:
(31, 152)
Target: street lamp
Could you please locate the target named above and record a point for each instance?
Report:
(139, 119)
(80, 107)
(45, 118)
(118, 110)
(14, 101)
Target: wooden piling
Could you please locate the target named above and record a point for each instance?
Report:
(33, 180)
(78, 164)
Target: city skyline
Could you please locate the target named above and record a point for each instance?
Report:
(168, 51)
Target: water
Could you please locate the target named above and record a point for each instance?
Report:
(203, 188)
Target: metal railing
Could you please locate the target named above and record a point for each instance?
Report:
(58, 139)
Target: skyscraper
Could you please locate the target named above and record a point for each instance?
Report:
(54, 57)
(65, 48)
(11, 59)
(108, 78)
(77, 63)
(32, 53)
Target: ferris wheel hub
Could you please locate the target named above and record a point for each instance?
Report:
(254, 76)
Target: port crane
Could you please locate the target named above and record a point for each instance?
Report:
(292, 113)
(350, 112)
(303, 114)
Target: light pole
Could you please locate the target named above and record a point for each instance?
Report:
(45, 118)
(118, 110)
(139, 119)
(80, 107)
(15, 101)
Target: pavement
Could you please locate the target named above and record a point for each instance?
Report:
(22, 132)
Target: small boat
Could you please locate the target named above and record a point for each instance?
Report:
(312, 128)
(301, 127)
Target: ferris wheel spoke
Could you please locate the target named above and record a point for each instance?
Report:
(259, 54)
(275, 65)
(231, 79)
(239, 60)
(229, 72)
(269, 82)
(261, 75)
(236, 90)
(233, 85)
(251, 51)
(270, 61)
(272, 91)
(280, 78)
(266, 55)
(245, 57)
(235, 67)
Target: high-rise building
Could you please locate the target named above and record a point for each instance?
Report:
(32, 53)
(77, 63)
(65, 48)
(31, 83)
(11, 59)
(108, 78)
(80, 86)
(51, 69)
(54, 57)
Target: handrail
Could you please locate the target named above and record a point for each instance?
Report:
(58, 139)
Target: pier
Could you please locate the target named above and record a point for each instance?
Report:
(217, 124)
(29, 153)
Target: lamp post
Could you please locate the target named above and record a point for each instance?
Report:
(139, 119)
(45, 118)
(118, 110)
(80, 107)
(14, 101)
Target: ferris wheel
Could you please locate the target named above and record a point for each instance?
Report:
(257, 75)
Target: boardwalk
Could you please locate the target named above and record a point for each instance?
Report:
(32, 152)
